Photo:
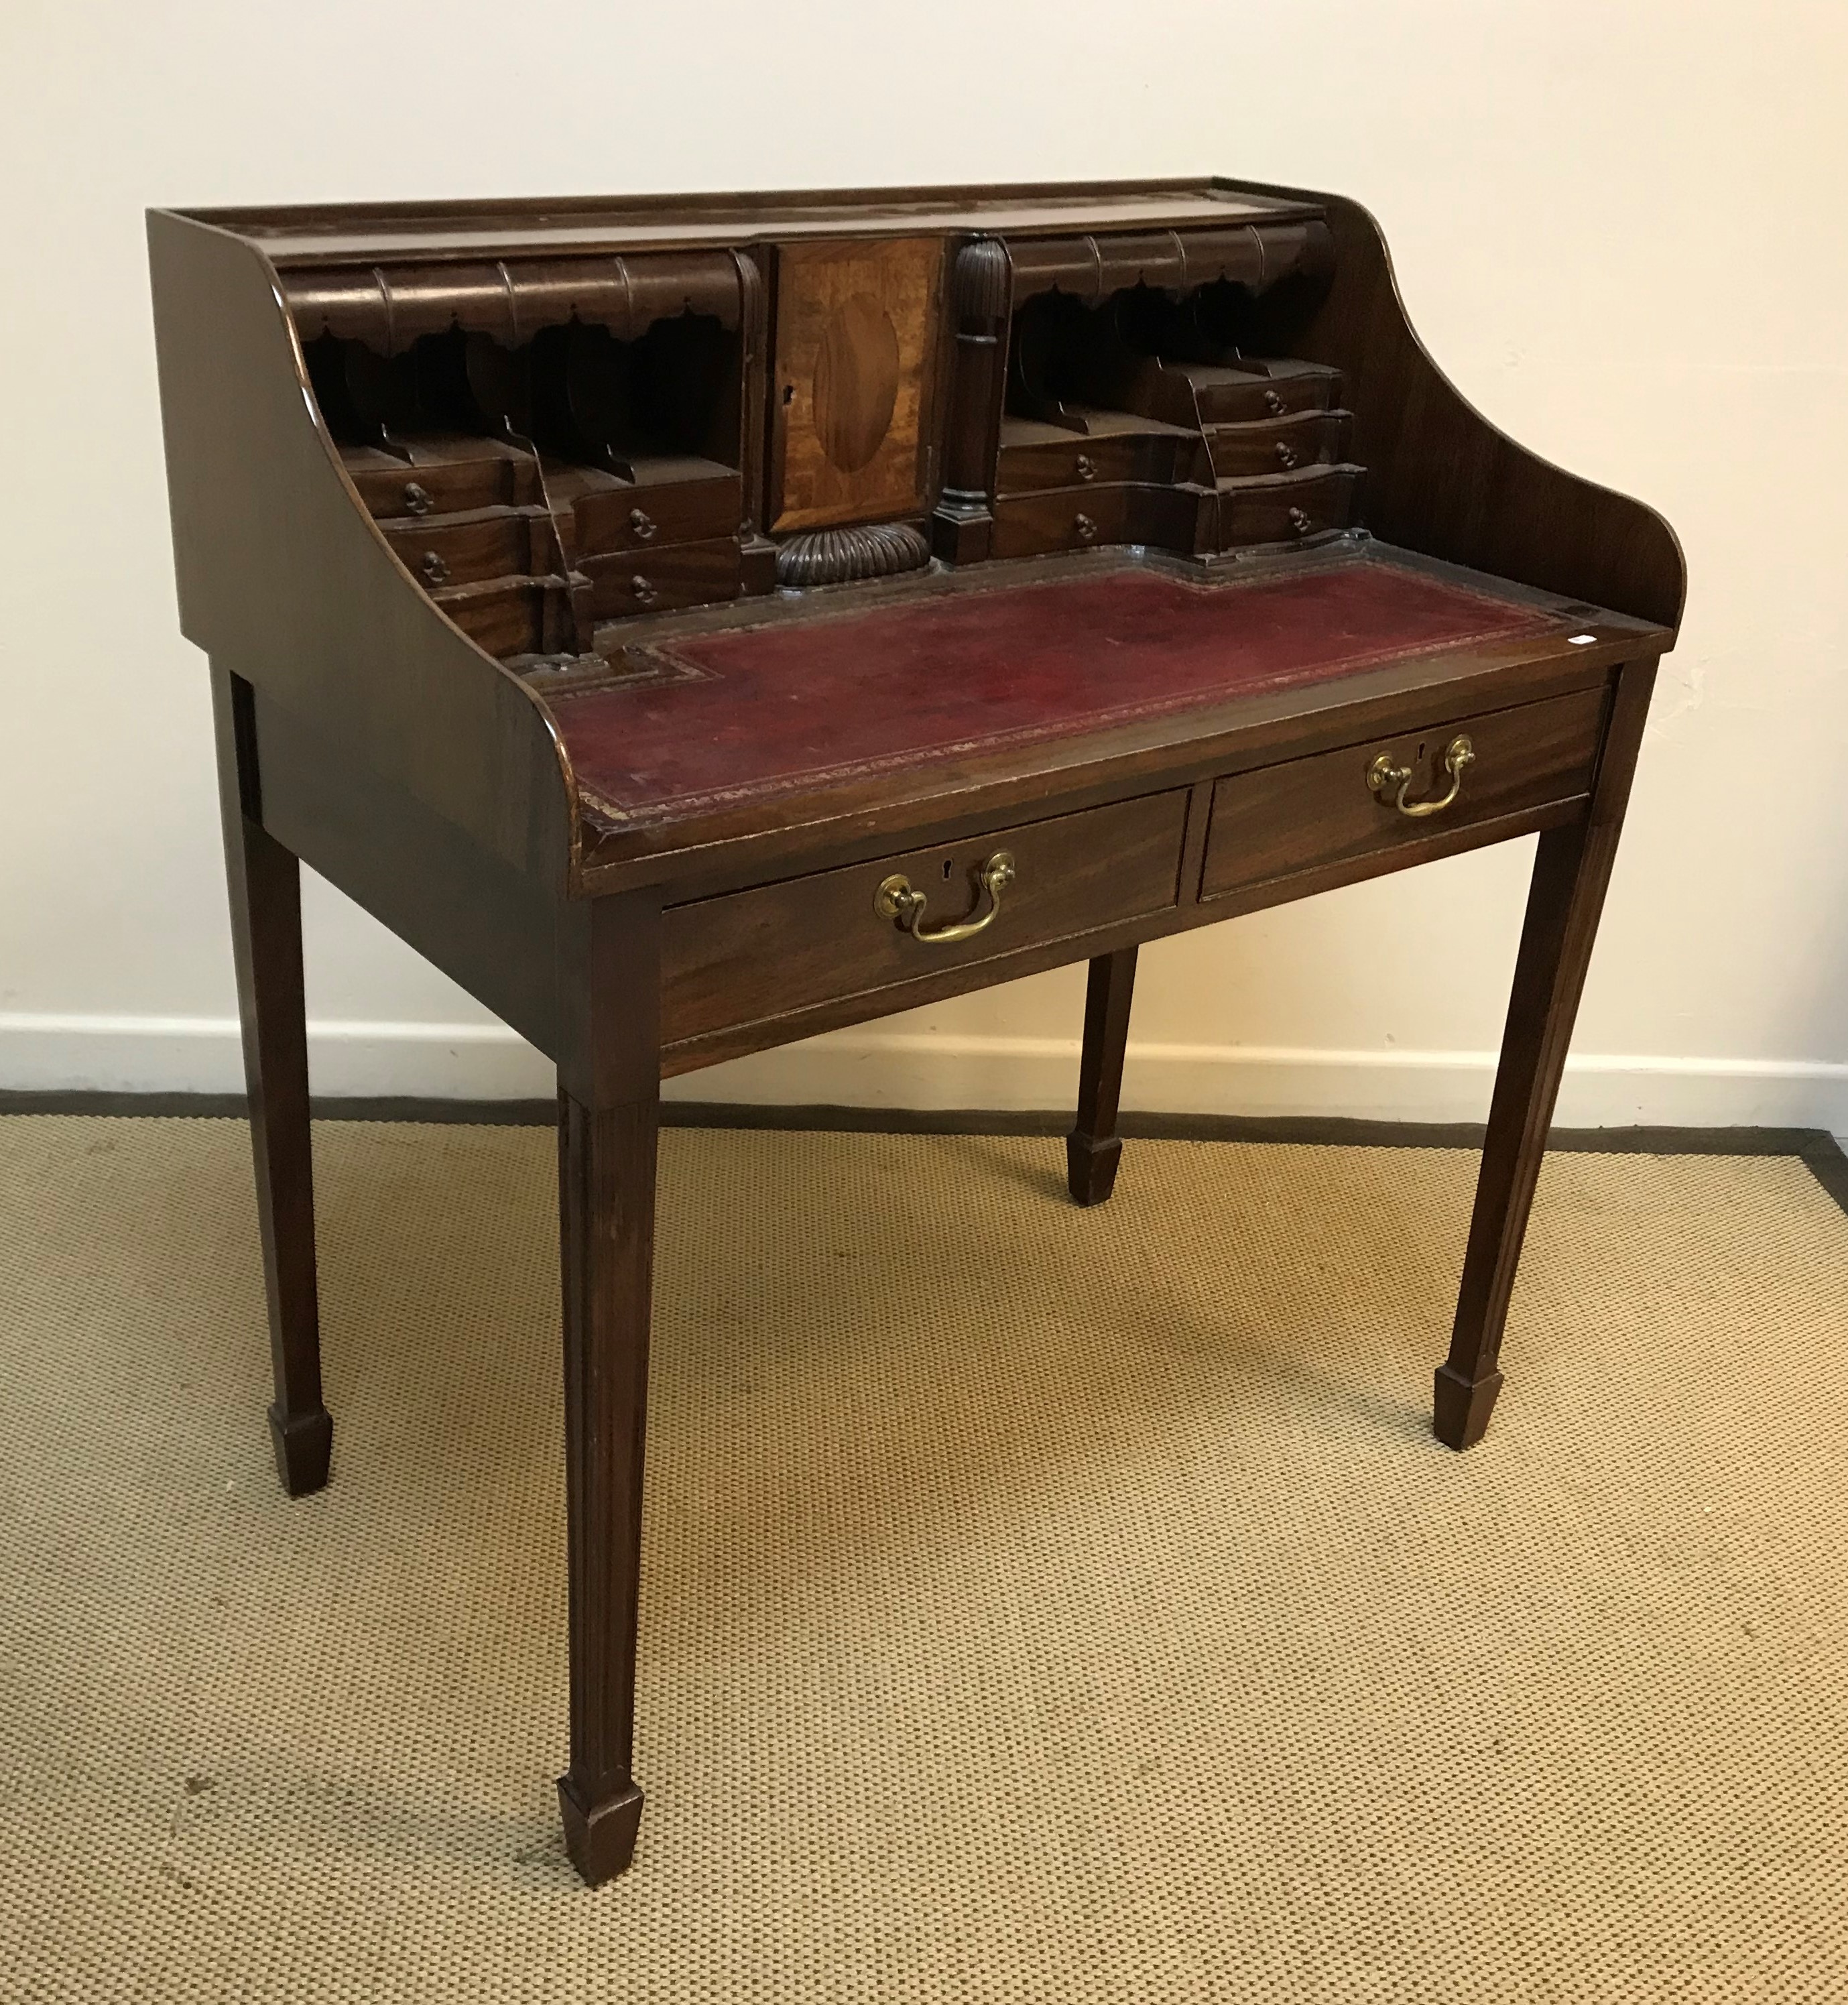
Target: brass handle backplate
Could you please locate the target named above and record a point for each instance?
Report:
(897, 901)
(1383, 777)
(642, 524)
(645, 593)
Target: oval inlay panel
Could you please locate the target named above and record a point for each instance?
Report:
(856, 381)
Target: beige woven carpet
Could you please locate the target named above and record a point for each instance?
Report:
(1039, 1604)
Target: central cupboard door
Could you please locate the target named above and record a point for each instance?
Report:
(855, 360)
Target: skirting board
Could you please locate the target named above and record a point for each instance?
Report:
(900, 1069)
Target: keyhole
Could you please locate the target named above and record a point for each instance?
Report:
(788, 393)
(948, 867)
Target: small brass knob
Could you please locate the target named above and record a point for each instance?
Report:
(1087, 467)
(1286, 453)
(416, 498)
(643, 524)
(435, 571)
(1273, 403)
(1300, 522)
(646, 594)
(1086, 528)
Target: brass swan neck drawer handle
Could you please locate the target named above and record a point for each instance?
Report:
(895, 900)
(1383, 776)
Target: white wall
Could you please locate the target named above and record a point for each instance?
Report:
(1617, 224)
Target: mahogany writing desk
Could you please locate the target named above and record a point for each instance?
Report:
(695, 624)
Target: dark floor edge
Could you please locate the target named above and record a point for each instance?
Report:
(1815, 1147)
(1828, 1166)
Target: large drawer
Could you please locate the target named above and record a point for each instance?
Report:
(1341, 807)
(785, 947)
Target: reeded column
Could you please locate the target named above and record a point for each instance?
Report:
(963, 523)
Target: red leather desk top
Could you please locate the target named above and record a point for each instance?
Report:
(731, 716)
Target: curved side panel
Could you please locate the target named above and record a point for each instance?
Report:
(284, 578)
(1442, 480)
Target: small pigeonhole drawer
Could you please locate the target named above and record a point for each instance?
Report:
(1242, 396)
(655, 514)
(494, 542)
(511, 615)
(1082, 518)
(1077, 461)
(1367, 800)
(1286, 508)
(658, 580)
(1280, 445)
(774, 951)
(481, 475)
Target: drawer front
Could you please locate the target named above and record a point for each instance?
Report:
(651, 515)
(1248, 400)
(658, 580)
(1143, 457)
(1080, 518)
(770, 952)
(511, 616)
(503, 543)
(1280, 445)
(1311, 814)
(451, 487)
(1284, 507)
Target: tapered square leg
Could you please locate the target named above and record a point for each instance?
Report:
(608, 1123)
(600, 1841)
(265, 882)
(1092, 1149)
(1090, 1167)
(303, 1443)
(1459, 1409)
(1571, 870)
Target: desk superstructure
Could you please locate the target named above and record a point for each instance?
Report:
(695, 623)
